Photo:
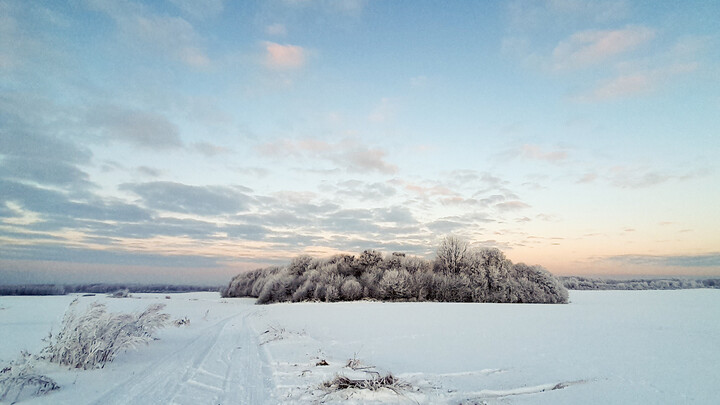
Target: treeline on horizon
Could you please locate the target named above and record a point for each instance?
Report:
(99, 288)
(595, 283)
(457, 274)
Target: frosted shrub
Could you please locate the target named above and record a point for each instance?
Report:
(332, 293)
(94, 338)
(395, 285)
(351, 290)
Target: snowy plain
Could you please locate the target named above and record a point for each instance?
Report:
(629, 347)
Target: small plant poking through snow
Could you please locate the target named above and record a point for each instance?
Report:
(19, 381)
(181, 321)
(94, 338)
(356, 364)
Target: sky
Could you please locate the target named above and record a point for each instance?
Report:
(180, 141)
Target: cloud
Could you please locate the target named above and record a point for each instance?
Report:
(148, 171)
(101, 256)
(535, 15)
(29, 153)
(200, 9)
(638, 177)
(47, 160)
(58, 210)
(702, 260)
(172, 36)
(363, 191)
(418, 81)
(587, 178)
(29, 53)
(276, 29)
(511, 206)
(347, 7)
(254, 171)
(396, 214)
(347, 154)
(537, 153)
(434, 189)
(17, 141)
(627, 178)
(383, 112)
(197, 200)
(445, 226)
(600, 10)
(635, 83)
(43, 171)
(141, 128)
(284, 57)
(587, 48)
(350, 221)
(209, 150)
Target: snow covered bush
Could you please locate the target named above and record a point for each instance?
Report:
(94, 338)
(351, 290)
(458, 274)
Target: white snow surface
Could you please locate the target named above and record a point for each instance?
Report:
(629, 347)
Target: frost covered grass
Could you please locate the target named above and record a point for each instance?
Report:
(20, 380)
(85, 341)
(94, 338)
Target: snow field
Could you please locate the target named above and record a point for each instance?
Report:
(658, 347)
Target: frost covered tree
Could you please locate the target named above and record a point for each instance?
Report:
(395, 284)
(452, 255)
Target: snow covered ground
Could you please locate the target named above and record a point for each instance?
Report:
(660, 347)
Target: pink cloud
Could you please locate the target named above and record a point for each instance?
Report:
(588, 178)
(348, 154)
(636, 83)
(623, 86)
(587, 48)
(537, 153)
(284, 57)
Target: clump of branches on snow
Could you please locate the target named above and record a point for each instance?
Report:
(19, 380)
(94, 338)
(373, 383)
(459, 273)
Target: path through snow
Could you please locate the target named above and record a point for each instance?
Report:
(221, 366)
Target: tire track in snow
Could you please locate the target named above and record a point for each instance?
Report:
(221, 366)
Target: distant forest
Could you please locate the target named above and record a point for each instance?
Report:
(99, 288)
(588, 283)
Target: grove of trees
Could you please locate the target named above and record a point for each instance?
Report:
(459, 273)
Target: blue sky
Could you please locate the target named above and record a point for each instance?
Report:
(183, 141)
